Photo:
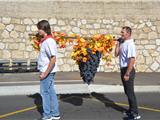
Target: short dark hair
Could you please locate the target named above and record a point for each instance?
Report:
(128, 29)
(44, 25)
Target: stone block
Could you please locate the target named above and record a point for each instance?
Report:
(2, 26)
(14, 34)
(10, 27)
(5, 34)
(6, 20)
(157, 41)
(152, 35)
(2, 46)
(20, 28)
(28, 21)
(6, 54)
(154, 66)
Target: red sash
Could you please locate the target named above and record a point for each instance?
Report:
(45, 38)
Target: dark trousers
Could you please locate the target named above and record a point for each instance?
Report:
(129, 89)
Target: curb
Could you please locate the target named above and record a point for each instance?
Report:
(73, 88)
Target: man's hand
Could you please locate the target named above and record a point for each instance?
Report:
(126, 77)
(42, 75)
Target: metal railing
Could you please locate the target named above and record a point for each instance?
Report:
(18, 65)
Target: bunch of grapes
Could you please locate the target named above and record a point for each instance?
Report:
(88, 69)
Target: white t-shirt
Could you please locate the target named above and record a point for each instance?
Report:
(127, 50)
(48, 48)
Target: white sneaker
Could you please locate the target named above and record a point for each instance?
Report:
(55, 117)
(45, 118)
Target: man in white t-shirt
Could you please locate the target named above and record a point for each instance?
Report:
(126, 51)
(47, 65)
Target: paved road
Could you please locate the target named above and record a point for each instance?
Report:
(108, 78)
(71, 82)
(93, 106)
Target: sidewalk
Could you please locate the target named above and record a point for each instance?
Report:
(71, 82)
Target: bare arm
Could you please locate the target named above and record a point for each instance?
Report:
(49, 68)
(116, 53)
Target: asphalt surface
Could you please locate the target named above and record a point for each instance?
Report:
(94, 106)
(104, 99)
(107, 78)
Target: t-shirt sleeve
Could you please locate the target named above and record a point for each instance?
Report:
(131, 51)
(51, 48)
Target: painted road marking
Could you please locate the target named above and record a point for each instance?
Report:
(27, 82)
(140, 107)
(18, 111)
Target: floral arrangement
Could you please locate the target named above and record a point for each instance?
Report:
(99, 42)
(87, 51)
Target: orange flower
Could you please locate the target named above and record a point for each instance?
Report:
(63, 34)
(84, 59)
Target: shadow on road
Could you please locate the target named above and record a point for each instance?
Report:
(74, 99)
(77, 100)
(107, 102)
(37, 101)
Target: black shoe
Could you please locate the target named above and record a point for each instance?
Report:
(133, 117)
(127, 113)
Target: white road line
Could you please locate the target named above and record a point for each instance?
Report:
(73, 88)
(57, 81)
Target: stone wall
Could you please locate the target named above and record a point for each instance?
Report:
(18, 18)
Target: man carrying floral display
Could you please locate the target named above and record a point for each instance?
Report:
(126, 51)
(47, 65)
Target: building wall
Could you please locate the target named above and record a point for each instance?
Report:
(18, 18)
